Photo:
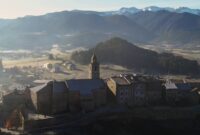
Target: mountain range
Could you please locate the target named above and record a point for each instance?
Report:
(132, 10)
(71, 29)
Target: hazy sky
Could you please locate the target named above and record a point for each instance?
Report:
(17, 8)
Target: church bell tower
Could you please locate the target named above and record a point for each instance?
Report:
(94, 72)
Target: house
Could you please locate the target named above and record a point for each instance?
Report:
(180, 93)
(121, 89)
(71, 66)
(50, 98)
(48, 66)
(136, 90)
(41, 98)
(154, 91)
(171, 92)
(56, 69)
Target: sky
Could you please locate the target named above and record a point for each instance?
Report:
(19, 8)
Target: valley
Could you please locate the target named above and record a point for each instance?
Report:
(189, 53)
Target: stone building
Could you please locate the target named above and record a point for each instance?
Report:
(180, 93)
(171, 93)
(41, 98)
(50, 98)
(136, 90)
(154, 92)
(86, 94)
(71, 95)
(59, 97)
(122, 89)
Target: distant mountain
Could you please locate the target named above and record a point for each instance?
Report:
(174, 28)
(133, 10)
(155, 9)
(188, 10)
(71, 29)
(124, 11)
(120, 52)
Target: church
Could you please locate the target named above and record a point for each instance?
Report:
(71, 95)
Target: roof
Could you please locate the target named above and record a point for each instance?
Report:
(126, 79)
(184, 86)
(120, 80)
(16, 86)
(179, 86)
(170, 85)
(58, 86)
(85, 86)
(15, 92)
(41, 81)
(38, 88)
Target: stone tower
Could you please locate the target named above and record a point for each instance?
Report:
(94, 72)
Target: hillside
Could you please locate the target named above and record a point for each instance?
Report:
(173, 28)
(120, 52)
(74, 28)
(71, 29)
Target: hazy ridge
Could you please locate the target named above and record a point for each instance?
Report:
(76, 28)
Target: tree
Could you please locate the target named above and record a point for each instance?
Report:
(1, 64)
(51, 57)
